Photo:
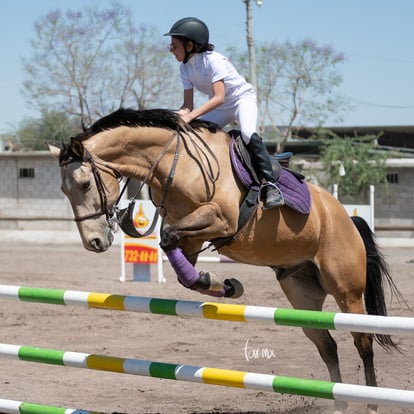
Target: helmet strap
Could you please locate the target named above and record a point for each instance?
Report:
(187, 54)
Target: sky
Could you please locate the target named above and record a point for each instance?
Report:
(376, 37)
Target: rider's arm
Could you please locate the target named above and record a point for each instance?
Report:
(188, 102)
(216, 100)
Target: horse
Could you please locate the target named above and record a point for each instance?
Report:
(194, 185)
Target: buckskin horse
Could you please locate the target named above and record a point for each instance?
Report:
(198, 191)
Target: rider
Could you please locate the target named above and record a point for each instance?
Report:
(231, 97)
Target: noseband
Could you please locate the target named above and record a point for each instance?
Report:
(105, 210)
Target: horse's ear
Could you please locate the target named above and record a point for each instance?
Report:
(55, 151)
(77, 148)
(83, 124)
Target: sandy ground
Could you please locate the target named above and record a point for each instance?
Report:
(171, 339)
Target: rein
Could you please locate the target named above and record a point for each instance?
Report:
(212, 178)
(125, 217)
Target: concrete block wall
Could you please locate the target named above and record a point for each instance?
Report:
(32, 203)
(394, 204)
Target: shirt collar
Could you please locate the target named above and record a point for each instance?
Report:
(193, 59)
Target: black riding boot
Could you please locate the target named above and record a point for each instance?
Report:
(263, 167)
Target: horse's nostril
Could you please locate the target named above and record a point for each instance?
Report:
(96, 244)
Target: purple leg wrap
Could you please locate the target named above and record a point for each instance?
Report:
(186, 273)
(184, 270)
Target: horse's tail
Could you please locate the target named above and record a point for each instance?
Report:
(378, 274)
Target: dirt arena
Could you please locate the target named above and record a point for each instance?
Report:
(281, 350)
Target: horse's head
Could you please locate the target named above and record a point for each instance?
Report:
(92, 188)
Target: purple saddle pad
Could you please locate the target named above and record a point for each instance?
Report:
(294, 190)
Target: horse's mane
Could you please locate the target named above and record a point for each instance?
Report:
(157, 118)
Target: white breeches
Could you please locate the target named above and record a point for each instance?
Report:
(244, 111)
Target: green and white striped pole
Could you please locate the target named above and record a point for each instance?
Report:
(20, 407)
(390, 325)
(213, 376)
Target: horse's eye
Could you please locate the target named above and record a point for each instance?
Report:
(85, 186)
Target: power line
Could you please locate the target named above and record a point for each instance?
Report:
(377, 105)
(384, 58)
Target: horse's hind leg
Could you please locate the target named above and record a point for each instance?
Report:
(348, 293)
(303, 290)
(362, 341)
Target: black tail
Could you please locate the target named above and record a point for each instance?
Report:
(378, 273)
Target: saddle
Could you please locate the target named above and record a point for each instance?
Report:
(291, 184)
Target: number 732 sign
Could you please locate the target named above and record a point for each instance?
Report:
(145, 249)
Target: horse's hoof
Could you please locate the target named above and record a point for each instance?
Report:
(233, 288)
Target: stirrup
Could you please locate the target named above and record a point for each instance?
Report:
(276, 203)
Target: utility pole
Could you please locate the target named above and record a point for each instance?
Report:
(250, 41)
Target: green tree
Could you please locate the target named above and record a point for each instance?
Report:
(297, 86)
(364, 163)
(90, 62)
(53, 127)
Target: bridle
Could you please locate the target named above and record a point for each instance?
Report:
(104, 210)
(114, 215)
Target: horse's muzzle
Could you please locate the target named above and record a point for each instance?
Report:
(100, 244)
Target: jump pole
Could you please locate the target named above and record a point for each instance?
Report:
(208, 259)
(389, 325)
(213, 376)
(20, 407)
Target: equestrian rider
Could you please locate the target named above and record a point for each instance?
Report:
(231, 97)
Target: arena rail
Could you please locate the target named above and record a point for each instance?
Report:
(213, 376)
(390, 325)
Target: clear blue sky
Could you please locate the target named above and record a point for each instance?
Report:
(376, 36)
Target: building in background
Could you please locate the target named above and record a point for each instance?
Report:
(31, 199)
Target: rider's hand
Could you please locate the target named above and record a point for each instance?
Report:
(185, 115)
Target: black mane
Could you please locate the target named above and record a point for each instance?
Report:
(157, 118)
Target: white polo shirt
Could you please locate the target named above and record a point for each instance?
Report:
(203, 69)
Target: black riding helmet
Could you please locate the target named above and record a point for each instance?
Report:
(194, 30)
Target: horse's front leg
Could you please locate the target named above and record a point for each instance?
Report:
(204, 223)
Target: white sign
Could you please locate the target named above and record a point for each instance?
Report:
(366, 211)
(142, 251)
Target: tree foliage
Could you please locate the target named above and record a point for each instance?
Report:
(297, 85)
(52, 127)
(363, 162)
(90, 62)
